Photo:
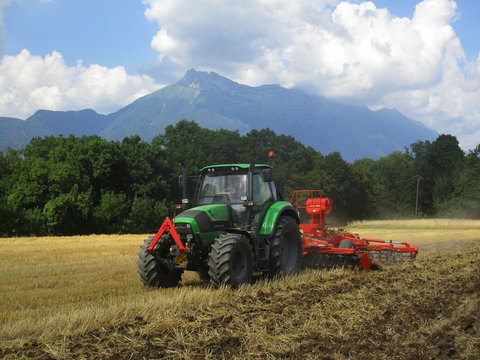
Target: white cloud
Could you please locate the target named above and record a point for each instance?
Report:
(162, 42)
(29, 83)
(355, 52)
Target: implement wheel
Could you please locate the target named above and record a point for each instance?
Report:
(152, 270)
(230, 261)
(346, 244)
(285, 248)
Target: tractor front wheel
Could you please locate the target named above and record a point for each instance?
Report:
(150, 269)
(230, 260)
(285, 248)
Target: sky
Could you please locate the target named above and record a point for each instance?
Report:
(420, 57)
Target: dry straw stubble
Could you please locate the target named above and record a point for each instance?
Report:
(81, 297)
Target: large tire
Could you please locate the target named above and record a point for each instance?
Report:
(346, 244)
(203, 275)
(151, 272)
(230, 261)
(285, 248)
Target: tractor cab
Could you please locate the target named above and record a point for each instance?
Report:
(247, 191)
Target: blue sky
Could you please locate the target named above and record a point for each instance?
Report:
(110, 33)
(421, 57)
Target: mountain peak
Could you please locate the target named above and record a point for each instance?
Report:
(206, 80)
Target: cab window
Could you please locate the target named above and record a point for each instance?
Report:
(262, 192)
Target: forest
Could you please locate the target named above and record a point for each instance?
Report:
(88, 185)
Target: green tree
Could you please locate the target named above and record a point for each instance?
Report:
(146, 215)
(59, 182)
(185, 145)
(9, 162)
(438, 164)
(146, 169)
(111, 212)
(465, 200)
(396, 176)
(68, 213)
(445, 159)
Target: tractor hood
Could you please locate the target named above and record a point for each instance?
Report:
(206, 218)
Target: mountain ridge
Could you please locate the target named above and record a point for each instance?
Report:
(215, 102)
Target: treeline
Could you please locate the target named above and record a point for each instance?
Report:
(69, 185)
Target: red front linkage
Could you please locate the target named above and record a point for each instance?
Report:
(167, 226)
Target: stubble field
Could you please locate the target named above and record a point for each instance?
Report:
(80, 297)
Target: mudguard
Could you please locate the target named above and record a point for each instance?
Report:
(273, 214)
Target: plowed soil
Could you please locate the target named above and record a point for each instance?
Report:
(428, 309)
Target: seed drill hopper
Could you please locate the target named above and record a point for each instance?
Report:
(328, 247)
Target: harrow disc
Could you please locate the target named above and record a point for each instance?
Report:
(331, 261)
(389, 256)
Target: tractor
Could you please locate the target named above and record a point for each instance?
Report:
(236, 226)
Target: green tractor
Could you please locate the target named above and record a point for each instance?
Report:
(238, 225)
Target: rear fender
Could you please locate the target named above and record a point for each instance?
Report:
(278, 209)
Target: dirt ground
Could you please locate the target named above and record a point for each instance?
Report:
(428, 309)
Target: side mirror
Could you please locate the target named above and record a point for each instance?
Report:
(267, 175)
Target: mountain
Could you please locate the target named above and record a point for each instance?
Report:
(208, 98)
(216, 102)
(78, 123)
(16, 133)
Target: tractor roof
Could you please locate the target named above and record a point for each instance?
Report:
(233, 166)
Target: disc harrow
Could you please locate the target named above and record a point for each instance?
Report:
(327, 247)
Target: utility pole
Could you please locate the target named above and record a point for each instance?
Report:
(416, 199)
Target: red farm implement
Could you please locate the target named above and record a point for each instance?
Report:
(335, 247)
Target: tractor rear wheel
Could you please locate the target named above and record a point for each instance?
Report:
(285, 248)
(230, 260)
(150, 268)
